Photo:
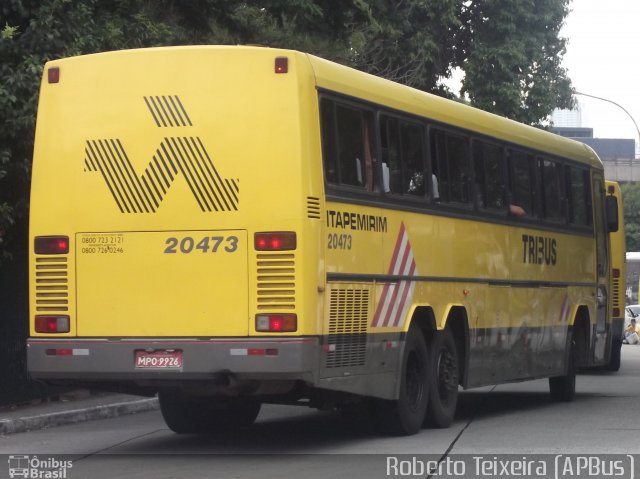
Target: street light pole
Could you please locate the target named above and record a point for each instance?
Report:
(616, 104)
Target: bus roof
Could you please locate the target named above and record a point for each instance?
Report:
(348, 81)
(351, 82)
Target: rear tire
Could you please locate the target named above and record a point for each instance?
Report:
(404, 416)
(444, 376)
(187, 415)
(563, 388)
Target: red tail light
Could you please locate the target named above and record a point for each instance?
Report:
(51, 244)
(275, 241)
(276, 323)
(53, 75)
(282, 65)
(52, 324)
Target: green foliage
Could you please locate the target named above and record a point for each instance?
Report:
(409, 41)
(511, 52)
(509, 49)
(631, 202)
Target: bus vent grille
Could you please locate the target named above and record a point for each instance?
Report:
(348, 318)
(52, 284)
(313, 208)
(616, 293)
(276, 281)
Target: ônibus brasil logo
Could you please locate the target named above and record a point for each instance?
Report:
(33, 467)
(184, 156)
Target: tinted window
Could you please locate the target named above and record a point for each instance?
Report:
(521, 181)
(346, 141)
(328, 129)
(451, 166)
(552, 189)
(412, 140)
(402, 157)
(489, 175)
(579, 197)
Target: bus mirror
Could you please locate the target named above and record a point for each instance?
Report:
(612, 214)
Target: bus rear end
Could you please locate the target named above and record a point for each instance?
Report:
(168, 223)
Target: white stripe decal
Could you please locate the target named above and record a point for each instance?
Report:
(396, 297)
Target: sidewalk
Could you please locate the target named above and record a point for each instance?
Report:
(71, 411)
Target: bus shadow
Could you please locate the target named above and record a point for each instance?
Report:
(298, 434)
(309, 431)
(476, 405)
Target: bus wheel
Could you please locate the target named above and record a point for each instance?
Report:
(187, 415)
(563, 388)
(614, 360)
(404, 416)
(444, 376)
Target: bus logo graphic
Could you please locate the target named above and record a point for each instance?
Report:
(396, 297)
(184, 156)
(18, 466)
(32, 466)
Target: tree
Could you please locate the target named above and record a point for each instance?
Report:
(407, 41)
(631, 202)
(509, 49)
(511, 53)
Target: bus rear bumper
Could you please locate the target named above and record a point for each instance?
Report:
(199, 359)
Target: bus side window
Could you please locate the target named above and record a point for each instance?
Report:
(346, 142)
(520, 175)
(402, 156)
(412, 140)
(459, 168)
(488, 160)
(452, 166)
(578, 192)
(439, 164)
(328, 132)
(552, 190)
(391, 167)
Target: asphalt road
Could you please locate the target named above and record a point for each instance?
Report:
(288, 442)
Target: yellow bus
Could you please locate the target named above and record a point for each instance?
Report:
(232, 226)
(618, 273)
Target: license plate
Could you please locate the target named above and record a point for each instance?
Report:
(158, 359)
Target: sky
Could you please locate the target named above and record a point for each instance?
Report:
(603, 59)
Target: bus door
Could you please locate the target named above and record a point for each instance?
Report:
(602, 269)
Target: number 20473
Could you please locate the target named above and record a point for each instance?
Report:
(208, 244)
(336, 241)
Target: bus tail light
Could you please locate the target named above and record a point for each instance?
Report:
(282, 65)
(51, 244)
(52, 324)
(53, 74)
(275, 241)
(276, 323)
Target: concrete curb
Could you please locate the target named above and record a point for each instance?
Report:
(73, 416)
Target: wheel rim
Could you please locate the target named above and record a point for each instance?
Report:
(447, 375)
(414, 383)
